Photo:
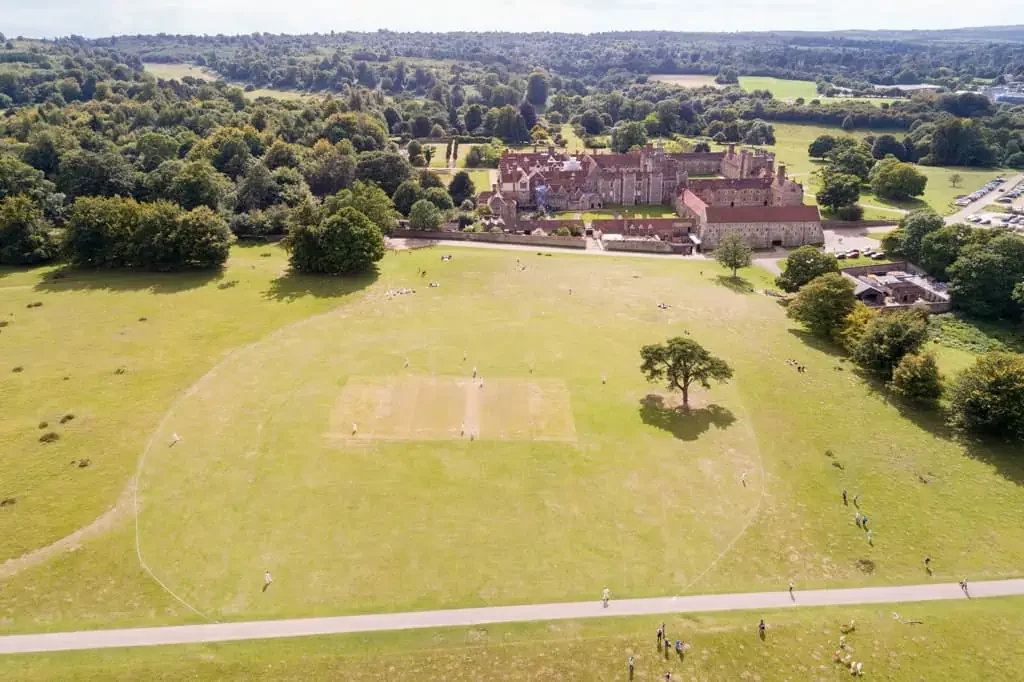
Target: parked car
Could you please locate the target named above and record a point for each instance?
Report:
(878, 256)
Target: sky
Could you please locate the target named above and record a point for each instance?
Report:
(50, 18)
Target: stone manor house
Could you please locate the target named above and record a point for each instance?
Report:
(735, 191)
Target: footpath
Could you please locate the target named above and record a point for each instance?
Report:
(304, 627)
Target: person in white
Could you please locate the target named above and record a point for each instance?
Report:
(355, 428)
(605, 596)
(174, 440)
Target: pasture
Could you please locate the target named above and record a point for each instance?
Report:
(573, 484)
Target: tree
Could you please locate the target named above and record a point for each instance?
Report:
(889, 338)
(821, 146)
(256, 189)
(733, 252)
(855, 325)
(893, 179)
(461, 187)
(407, 194)
(329, 168)
(200, 239)
(84, 173)
(529, 114)
(959, 142)
(343, 244)
(917, 378)
(428, 153)
(838, 190)
(474, 117)
(625, 136)
(680, 362)
(983, 278)
(591, 122)
(369, 200)
(537, 88)
(988, 397)
(941, 248)
(387, 169)
(851, 160)
(702, 147)
(848, 124)
(955, 180)
(198, 184)
(24, 234)
(424, 215)
(905, 241)
(439, 197)
(887, 145)
(823, 304)
(154, 149)
(803, 265)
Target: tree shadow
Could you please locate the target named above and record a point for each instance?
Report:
(817, 343)
(736, 284)
(681, 423)
(77, 279)
(293, 285)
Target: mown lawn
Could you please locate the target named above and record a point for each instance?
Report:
(968, 640)
(644, 499)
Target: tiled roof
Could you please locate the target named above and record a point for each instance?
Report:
(762, 214)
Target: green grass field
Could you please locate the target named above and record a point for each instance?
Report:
(178, 71)
(792, 140)
(572, 484)
(481, 178)
(438, 160)
(686, 80)
(781, 88)
(900, 642)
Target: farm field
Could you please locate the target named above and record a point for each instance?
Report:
(901, 642)
(568, 484)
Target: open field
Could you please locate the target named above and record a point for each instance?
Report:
(573, 142)
(481, 177)
(901, 642)
(780, 88)
(695, 80)
(178, 71)
(438, 160)
(641, 498)
(792, 140)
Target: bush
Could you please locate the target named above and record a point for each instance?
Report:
(917, 378)
(851, 213)
(888, 338)
(988, 398)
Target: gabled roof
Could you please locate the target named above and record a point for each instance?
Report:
(762, 214)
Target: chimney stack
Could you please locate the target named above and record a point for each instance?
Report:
(782, 173)
(732, 149)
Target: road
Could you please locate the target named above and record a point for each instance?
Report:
(990, 198)
(400, 243)
(304, 627)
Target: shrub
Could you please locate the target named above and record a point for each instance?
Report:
(988, 398)
(851, 213)
(917, 378)
(49, 437)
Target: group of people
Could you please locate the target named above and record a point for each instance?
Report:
(859, 518)
(400, 292)
(799, 368)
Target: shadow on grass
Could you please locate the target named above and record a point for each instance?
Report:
(79, 279)
(681, 423)
(737, 284)
(293, 285)
(818, 343)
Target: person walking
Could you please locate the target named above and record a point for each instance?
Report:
(963, 586)
(856, 519)
(928, 565)
(791, 586)
(869, 538)
(761, 628)
(267, 579)
(661, 634)
(605, 596)
(632, 666)
(844, 497)
(864, 521)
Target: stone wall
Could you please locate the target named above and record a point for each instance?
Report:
(525, 239)
(761, 235)
(643, 245)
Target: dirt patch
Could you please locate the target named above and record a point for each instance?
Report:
(452, 408)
